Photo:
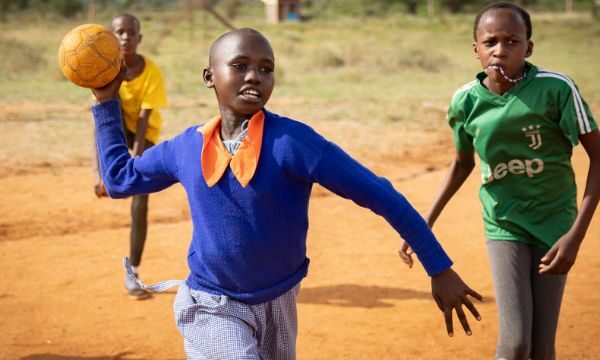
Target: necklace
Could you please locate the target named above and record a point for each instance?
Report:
(516, 79)
(508, 78)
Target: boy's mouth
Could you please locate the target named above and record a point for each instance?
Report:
(251, 94)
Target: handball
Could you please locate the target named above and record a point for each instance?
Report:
(90, 56)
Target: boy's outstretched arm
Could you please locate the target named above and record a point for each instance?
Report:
(338, 172)
(459, 171)
(561, 257)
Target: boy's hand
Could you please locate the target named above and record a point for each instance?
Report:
(450, 292)
(405, 253)
(111, 90)
(561, 257)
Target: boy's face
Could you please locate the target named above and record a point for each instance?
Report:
(501, 41)
(128, 32)
(242, 73)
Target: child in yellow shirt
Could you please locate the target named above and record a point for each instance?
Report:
(142, 93)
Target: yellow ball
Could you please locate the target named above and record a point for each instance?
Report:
(90, 56)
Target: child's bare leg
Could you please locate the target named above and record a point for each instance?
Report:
(139, 228)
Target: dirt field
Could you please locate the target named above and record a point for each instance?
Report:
(61, 289)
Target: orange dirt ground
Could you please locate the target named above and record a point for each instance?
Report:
(61, 288)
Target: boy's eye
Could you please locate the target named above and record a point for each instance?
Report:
(238, 66)
(266, 70)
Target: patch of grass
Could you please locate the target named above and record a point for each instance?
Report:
(19, 59)
(393, 71)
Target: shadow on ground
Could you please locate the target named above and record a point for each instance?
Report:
(349, 295)
(119, 356)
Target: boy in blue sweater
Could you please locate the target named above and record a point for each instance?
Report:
(248, 175)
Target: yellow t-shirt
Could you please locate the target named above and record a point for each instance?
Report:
(147, 91)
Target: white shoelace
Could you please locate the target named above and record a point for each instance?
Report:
(158, 287)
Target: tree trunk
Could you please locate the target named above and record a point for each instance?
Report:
(569, 6)
(92, 11)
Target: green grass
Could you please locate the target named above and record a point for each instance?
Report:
(397, 70)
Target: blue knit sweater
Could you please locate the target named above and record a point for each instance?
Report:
(250, 243)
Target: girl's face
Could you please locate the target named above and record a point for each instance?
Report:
(501, 41)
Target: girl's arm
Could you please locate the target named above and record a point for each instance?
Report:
(561, 257)
(459, 171)
(99, 189)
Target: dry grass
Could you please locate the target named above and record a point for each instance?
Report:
(341, 76)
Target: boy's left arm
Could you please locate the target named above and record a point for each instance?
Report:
(344, 176)
(561, 257)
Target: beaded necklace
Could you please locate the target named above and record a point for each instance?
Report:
(508, 78)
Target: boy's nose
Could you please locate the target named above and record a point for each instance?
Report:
(252, 76)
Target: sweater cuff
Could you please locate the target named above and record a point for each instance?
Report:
(435, 261)
(107, 112)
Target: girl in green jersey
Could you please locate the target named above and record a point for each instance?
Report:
(523, 122)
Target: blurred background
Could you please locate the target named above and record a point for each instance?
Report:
(374, 76)
(343, 62)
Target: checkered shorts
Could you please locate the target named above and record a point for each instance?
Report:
(218, 327)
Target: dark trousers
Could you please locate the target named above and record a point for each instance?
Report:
(139, 214)
(528, 303)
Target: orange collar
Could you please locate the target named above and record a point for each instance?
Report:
(215, 158)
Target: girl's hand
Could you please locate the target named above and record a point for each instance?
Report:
(100, 190)
(405, 253)
(561, 257)
(111, 90)
(450, 293)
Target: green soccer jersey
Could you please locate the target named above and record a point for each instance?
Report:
(524, 139)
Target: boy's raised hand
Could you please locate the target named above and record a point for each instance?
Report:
(450, 293)
(111, 90)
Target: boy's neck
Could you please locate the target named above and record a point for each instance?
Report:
(132, 60)
(231, 124)
(135, 66)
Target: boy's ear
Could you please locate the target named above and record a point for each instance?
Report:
(475, 50)
(140, 38)
(207, 76)
(529, 49)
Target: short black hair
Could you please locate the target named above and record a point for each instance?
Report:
(138, 26)
(215, 45)
(504, 5)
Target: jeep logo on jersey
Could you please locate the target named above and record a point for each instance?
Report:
(534, 135)
(515, 167)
